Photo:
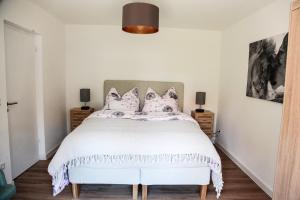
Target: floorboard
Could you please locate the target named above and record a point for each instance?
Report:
(35, 184)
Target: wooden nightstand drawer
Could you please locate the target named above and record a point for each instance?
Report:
(205, 126)
(76, 112)
(205, 121)
(76, 122)
(77, 116)
(74, 126)
(207, 132)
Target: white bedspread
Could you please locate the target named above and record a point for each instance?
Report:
(108, 139)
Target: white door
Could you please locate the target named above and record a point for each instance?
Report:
(21, 93)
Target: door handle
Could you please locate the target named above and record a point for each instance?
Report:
(11, 103)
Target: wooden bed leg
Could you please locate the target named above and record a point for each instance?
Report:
(144, 192)
(203, 192)
(75, 191)
(135, 192)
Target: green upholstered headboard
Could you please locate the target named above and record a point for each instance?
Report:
(160, 87)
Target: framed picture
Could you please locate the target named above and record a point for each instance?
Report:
(266, 68)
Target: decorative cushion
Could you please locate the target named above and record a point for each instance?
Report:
(155, 103)
(128, 102)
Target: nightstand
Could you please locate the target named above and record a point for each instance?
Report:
(205, 120)
(77, 116)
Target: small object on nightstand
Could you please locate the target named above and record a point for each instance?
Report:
(77, 115)
(200, 100)
(205, 120)
(85, 96)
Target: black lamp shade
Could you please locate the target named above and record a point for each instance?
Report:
(200, 98)
(85, 95)
(140, 18)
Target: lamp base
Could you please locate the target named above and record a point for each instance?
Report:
(199, 110)
(85, 107)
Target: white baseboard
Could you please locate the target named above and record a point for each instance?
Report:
(52, 151)
(247, 171)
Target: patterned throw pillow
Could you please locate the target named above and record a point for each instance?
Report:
(155, 103)
(128, 102)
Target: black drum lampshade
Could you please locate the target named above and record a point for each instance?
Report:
(85, 97)
(140, 18)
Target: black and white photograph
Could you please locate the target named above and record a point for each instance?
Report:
(266, 68)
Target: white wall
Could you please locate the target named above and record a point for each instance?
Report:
(250, 127)
(97, 53)
(52, 33)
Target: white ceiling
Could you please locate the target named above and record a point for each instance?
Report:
(203, 14)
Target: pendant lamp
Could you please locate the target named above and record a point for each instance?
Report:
(140, 18)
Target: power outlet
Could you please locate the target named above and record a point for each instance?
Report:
(2, 165)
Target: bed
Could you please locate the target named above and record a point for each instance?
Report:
(159, 149)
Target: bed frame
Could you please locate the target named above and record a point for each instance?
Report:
(76, 191)
(145, 176)
(203, 191)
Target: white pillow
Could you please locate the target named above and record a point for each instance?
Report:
(128, 102)
(155, 103)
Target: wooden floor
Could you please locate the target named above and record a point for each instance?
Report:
(35, 184)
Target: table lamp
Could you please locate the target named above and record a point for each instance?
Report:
(85, 98)
(200, 100)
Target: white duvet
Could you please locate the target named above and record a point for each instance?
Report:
(113, 139)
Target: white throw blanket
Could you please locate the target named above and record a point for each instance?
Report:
(113, 139)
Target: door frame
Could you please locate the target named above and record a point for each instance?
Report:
(39, 85)
(286, 183)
